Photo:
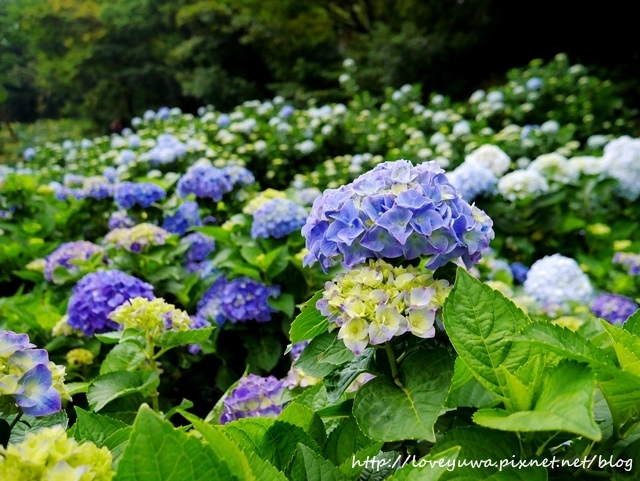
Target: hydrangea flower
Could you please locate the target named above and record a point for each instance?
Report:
(128, 194)
(587, 165)
(556, 280)
(239, 300)
(277, 218)
(151, 316)
(69, 255)
(167, 149)
(186, 216)
(200, 246)
(50, 454)
(522, 184)
(29, 153)
(98, 294)
(621, 159)
(239, 175)
(473, 179)
(614, 308)
(534, 83)
(296, 377)
(555, 168)
(204, 181)
(254, 396)
(492, 157)
(137, 238)
(371, 304)
(261, 199)
(519, 271)
(120, 219)
(629, 260)
(79, 357)
(396, 210)
(26, 374)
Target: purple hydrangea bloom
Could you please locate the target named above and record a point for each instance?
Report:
(97, 294)
(200, 246)
(128, 194)
(239, 175)
(254, 396)
(297, 349)
(120, 219)
(99, 190)
(186, 216)
(614, 308)
(277, 218)
(239, 300)
(68, 254)
(396, 210)
(629, 260)
(204, 181)
(519, 272)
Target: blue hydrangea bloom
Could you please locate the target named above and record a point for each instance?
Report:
(128, 194)
(534, 83)
(134, 141)
(396, 210)
(68, 254)
(127, 156)
(167, 149)
(286, 111)
(254, 396)
(99, 190)
(97, 294)
(163, 113)
(239, 300)
(120, 219)
(519, 272)
(200, 246)
(629, 260)
(239, 175)
(186, 216)
(473, 179)
(29, 153)
(223, 120)
(614, 308)
(111, 174)
(277, 218)
(204, 181)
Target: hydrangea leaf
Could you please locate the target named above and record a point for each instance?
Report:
(126, 356)
(338, 381)
(171, 338)
(346, 440)
(268, 471)
(565, 403)
(284, 303)
(310, 466)
(478, 444)
(264, 351)
(466, 390)
(323, 354)
(627, 346)
(156, 451)
(30, 424)
(632, 324)
(622, 392)
(428, 468)
(388, 412)
(95, 427)
(114, 385)
(353, 470)
(481, 324)
(309, 322)
(304, 417)
(117, 443)
(273, 440)
(125, 408)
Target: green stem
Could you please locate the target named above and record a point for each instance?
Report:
(392, 362)
(151, 358)
(15, 421)
(544, 445)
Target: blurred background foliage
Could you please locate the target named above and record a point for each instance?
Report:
(106, 60)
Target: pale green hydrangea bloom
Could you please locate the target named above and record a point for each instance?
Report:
(152, 317)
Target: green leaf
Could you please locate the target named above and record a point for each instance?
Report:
(114, 385)
(95, 427)
(112, 337)
(273, 440)
(428, 468)
(323, 354)
(345, 441)
(627, 457)
(481, 324)
(309, 322)
(283, 303)
(126, 356)
(388, 412)
(478, 444)
(338, 381)
(466, 390)
(171, 339)
(74, 388)
(309, 466)
(158, 452)
(264, 351)
(29, 424)
(218, 233)
(565, 403)
(351, 469)
(124, 409)
(117, 443)
(305, 418)
(268, 471)
(622, 392)
(564, 342)
(632, 324)
(225, 449)
(627, 347)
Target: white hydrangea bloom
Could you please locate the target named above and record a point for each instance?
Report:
(492, 157)
(555, 168)
(522, 184)
(621, 160)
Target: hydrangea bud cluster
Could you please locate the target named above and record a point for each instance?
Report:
(396, 210)
(98, 294)
(522, 184)
(621, 159)
(373, 303)
(239, 300)
(556, 280)
(137, 238)
(79, 357)
(50, 454)
(150, 316)
(129, 194)
(492, 157)
(254, 396)
(473, 179)
(120, 219)
(629, 260)
(26, 374)
(614, 308)
(69, 256)
(277, 218)
(186, 216)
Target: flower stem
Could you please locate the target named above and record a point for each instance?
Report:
(151, 358)
(15, 420)
(392, 362)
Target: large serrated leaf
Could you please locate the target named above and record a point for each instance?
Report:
(114, 385)
(305, 418)
(323, 354)
(309, 322)
(126, 356)
(338, 381)
(429, 468)
(632, 324)
(481, 324)
(627, 346)
(29, 424)
(95, 427)
(345, 441)
(170, 339)
(388, 412)
(310, 466)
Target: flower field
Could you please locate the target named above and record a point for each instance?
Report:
(393, 289)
